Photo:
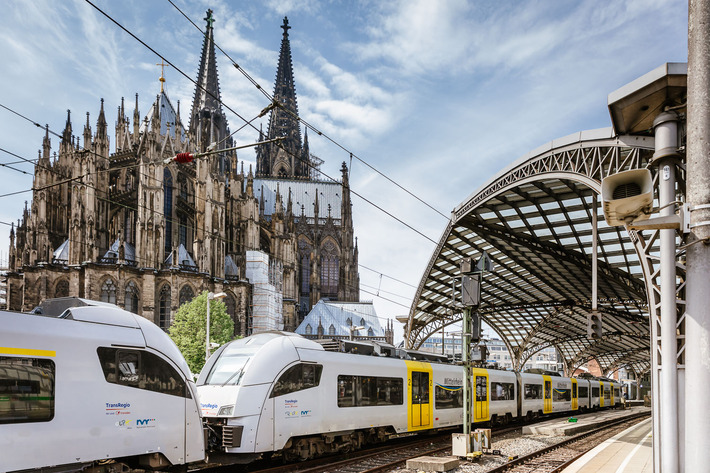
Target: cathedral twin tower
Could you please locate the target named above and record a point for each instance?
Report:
(124, 227)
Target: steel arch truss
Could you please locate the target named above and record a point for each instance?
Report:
(535, 222)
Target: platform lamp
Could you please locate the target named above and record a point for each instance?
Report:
(210, 296)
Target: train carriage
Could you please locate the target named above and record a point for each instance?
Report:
(278, 392)
(99, 383)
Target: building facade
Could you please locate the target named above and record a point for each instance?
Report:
(119, 225)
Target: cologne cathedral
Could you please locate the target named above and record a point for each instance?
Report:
(123, 227)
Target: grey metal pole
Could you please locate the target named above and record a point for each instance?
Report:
(666, 144)
(207, 330)
(697, 322)
(465, 358)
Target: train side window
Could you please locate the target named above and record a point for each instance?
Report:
(346, 392)
(481, 389)
(502, 391)
(560, 394)
(296, 378)
(595, 392)
(390, 391)
(449, 397)
(141, 369)
(583, 392)
(574, 390)
(362, 391)
(128, 367)
(26, 390)
(533, 391)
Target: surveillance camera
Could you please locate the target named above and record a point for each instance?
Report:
(627, 197)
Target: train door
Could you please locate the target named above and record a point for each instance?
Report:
(420, 395)
(612, 400)
(481, 396)
(547, 394)
(601, 394)
(575, 401)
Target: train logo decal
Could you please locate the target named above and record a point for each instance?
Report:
(138, 423)
(145, 423)
(118, 408)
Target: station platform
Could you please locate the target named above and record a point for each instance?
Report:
(630, 451)
(582, 422)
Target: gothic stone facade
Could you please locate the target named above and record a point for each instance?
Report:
(122, 226)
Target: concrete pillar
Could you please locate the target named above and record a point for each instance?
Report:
(697, 324)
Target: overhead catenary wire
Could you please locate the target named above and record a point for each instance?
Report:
(51, 169)
(307, 124)
(254, 127)
(39, 126)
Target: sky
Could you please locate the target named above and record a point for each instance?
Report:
(437, 96)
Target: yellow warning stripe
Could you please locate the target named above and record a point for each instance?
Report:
(26, 352)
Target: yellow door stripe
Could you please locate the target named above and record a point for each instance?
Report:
(26, 352)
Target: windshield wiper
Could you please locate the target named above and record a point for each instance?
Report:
(232, 377)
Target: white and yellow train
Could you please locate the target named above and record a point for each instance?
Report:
(281, 393)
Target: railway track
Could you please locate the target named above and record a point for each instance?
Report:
(555, 458)
(378, 459)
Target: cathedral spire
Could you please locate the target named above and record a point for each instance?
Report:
(208, 123)
(285, 157)
(101, 125)
(207, 95)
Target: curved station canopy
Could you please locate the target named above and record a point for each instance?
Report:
(535, 221)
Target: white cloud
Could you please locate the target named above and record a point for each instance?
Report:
(284, 7)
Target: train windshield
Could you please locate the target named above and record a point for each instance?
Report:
(228, 369)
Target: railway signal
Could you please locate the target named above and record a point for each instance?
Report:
(594, 325)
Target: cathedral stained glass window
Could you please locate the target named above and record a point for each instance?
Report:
(329, 270)
(186, 294)
(164, 307)
(168, 209)
(108, 291)
(62, 289)
(131, 301)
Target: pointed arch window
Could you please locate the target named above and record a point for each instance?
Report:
(131, 301)
(108, 291)
(362, 322)
(309, 329)
(304, 259)
(62, 289)
(164, 307)
(331, 329)
(370, 332)
(168, 209)
(349, 322)
(329, 270)
(186, 294)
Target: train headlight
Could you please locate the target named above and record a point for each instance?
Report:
(226, 410)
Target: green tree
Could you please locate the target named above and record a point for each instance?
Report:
(188, 329)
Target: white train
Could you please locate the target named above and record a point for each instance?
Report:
(94, 389)
(280, 393)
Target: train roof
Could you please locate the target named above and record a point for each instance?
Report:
(57, 307)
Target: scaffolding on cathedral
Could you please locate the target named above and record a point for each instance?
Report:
(267, 297)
